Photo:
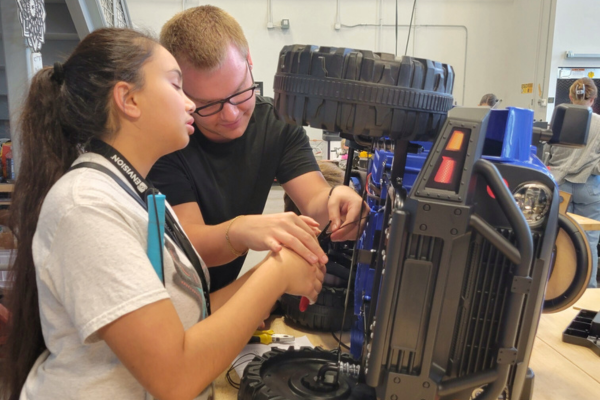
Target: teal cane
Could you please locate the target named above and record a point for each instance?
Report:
(156, 232)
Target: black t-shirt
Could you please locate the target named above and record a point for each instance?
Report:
(234, 178)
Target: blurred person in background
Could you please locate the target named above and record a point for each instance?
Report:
(577, 171)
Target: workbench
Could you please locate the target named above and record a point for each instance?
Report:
(565, 371)
(562, 371)
(587, 224)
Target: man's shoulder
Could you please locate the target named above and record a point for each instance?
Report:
(263, 101)
(264, 109)
(266, 117)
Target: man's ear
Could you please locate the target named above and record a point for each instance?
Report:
(125, 101)
(250, 59)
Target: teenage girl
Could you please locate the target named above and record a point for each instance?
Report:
(91, 319)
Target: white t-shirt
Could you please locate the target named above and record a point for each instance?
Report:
(89, 251)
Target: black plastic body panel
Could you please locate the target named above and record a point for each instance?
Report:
(454, 310)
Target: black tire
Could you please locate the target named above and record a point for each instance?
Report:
(325, 315)
(358, 92)
(555, 302)
(278, 375)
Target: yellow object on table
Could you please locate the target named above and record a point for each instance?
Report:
(268, 337)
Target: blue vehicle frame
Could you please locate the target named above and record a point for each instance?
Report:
(508, 141)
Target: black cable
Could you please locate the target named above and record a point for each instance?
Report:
(410, 26)
(352, 264)
(339, 341)
(353, 222)
(179, 237)
(365, 327)
(239, 361)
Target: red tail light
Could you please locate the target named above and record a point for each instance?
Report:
(445, 171)
(450, 161)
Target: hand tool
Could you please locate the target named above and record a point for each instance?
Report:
(268, 337)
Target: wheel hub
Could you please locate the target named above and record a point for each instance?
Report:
(310, 385)
(301, 374)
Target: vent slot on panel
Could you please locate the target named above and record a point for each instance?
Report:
(486, 286)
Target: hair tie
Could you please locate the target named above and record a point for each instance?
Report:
(58, 75)
(580, 92)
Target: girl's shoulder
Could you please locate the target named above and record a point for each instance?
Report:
(87, 187)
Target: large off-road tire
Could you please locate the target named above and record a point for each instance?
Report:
(358, 92)
(290, 374)
(571, 269)
(325, 315)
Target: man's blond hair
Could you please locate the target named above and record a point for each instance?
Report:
(202, 35)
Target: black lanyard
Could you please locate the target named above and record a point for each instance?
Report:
(143, 188)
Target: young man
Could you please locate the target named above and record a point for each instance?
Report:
(218, 185)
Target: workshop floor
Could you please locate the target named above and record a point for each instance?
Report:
(274, 205)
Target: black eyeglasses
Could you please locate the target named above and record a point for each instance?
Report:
(235, 99)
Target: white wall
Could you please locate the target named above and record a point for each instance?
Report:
(575, 30)
(527, 59)
(498, 38)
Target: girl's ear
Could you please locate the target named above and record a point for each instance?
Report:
(125, 101)
(249, 59)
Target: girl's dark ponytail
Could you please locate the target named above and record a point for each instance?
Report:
(68, 105)
(44, 157)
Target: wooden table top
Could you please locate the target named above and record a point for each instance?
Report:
(587, 224)
(562, 371)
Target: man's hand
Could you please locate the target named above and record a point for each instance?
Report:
(275, 231)
(311, 192)
(344, 206)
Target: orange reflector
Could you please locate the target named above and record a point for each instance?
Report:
(444, 173)
(456, 140)
(489, 189)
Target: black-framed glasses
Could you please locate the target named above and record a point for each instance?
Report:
(235, 99)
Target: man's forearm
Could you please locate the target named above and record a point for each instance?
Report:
(316, 208)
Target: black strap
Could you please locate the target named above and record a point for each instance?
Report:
(172, 228)
(122, 164)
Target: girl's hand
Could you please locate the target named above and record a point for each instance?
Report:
(300, 277)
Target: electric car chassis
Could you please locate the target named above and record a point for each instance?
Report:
(458, 265)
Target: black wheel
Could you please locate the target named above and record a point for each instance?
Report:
(294, 374)
(358, 92)
(570, 272)
(325, 315)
